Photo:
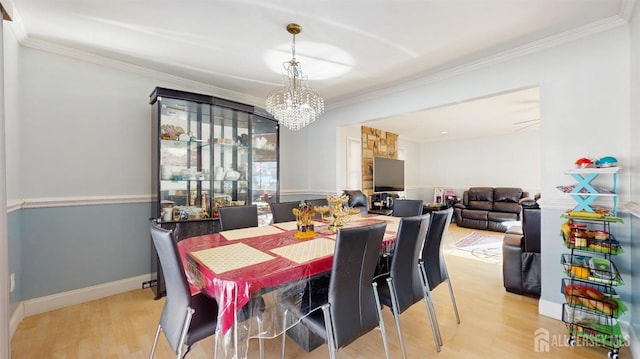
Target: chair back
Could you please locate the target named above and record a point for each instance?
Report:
(317, 203)
(283, 211)
(357, 199)
(407, 207)
(404, 264)
(178, 294)
(432, 255)
(236, 217)
(351, 295)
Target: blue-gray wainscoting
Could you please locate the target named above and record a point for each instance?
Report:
(58, 249)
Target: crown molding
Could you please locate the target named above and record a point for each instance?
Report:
(532, 47)
(626, 9)
(7, 9)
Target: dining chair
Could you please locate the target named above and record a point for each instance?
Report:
(404, 285)
(185, 319)
(283, 211)
(351, 308)
(407, 207)
(318, 202)
(432, 264)
(236, 217)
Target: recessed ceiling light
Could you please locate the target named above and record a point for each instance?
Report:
(443, 132)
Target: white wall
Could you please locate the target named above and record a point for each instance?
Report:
(12, 123)
(500, 161)
(584, 89)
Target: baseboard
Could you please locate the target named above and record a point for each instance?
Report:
(550, 309)
(59, 300)
(15, 319)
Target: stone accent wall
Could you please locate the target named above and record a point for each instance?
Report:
(375, 143)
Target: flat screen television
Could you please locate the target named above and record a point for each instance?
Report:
(388, 175)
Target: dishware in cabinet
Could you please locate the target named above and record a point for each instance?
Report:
(203, 155)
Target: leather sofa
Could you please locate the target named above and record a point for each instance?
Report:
(521, 252)
(488, 207)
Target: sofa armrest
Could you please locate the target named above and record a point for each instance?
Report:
(512, 260)
(515, 231)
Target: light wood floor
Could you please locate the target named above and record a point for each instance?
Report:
(495, 324)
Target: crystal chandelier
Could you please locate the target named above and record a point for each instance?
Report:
(295, 105)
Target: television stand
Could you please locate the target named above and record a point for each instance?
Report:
(382, 202)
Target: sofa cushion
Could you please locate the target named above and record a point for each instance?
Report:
(507, 199)
(480, 198)
(502, 217)
(505, 194)
(508, 207)
(475, 214)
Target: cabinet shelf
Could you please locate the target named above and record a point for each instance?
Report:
(193, 144)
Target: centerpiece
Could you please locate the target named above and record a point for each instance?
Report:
(304, 220)
(339, 214)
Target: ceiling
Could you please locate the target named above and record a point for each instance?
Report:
(347, 47)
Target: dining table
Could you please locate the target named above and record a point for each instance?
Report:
(253, 272)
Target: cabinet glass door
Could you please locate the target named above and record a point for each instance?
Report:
(184, 149)
(230, 159)
(264, 162)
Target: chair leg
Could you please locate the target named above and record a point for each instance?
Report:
(453, 298)
(284, 333)
(183, 335)
(435, 327)
(430, 308)
(260, 338)
(155, 342)
(396, 315)
(380, 320)
(187, 352)
(328, 324)
(216, 337)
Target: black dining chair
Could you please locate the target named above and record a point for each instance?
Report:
(185, 319)
(318, 202)
(432, 264)
(283, 211)
(404, 285)
(407, 207)
(351, 308)
(236, 217)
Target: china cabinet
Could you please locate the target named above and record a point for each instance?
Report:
(209, 152)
